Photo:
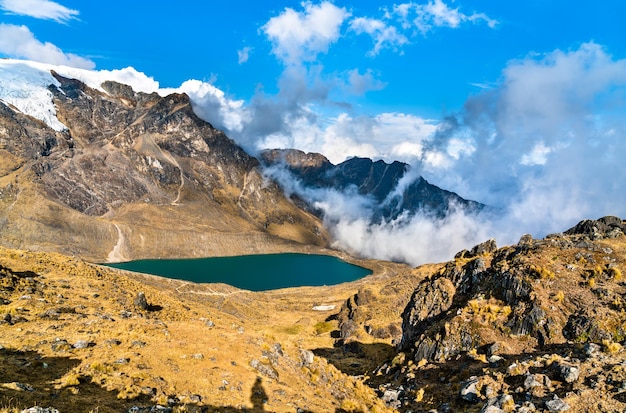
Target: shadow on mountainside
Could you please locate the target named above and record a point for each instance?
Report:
(29, 379)
(355, 358)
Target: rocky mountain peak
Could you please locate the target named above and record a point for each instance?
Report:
(376, 179)
(124, 150)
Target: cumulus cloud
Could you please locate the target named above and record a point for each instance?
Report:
(300, 36)
(387, 135)
(39, 9)
(545, 140)
(398, 24)
(359, 83)
(20, 42)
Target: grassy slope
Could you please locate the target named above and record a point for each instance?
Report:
(140, 357)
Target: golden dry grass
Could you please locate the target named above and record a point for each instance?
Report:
(204, 340)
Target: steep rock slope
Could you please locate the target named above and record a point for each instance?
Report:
(537, 326)
(376, 179)
(136, 175)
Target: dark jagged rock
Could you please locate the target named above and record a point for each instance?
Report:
(605, 227)
(582, 328)
(427, 304)
(376, 179)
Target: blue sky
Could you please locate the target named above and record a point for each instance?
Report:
(517, 104)
(430, 73)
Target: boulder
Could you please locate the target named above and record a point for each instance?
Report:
(430, 300)
(140, 301)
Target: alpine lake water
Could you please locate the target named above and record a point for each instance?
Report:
(253, 272)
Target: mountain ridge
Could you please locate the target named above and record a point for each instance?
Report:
(133, 169)
(381, 181)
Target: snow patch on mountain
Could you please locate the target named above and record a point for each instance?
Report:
(24, 86)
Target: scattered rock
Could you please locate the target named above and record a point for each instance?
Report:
(60, 345)
(582, 328)
(592, 349)
(307, 357)
(493, 349)
(82, 344)
(567, 372)
(140, 301)
(24, 386)
(37, 409)
(469, 391)
(556, 405)
(492, 409)
(112, 342)
(530, 382)
(150, 409)
(391, 398)
(324, 307)
(264, 369)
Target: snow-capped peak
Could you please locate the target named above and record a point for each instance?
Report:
(24, 85)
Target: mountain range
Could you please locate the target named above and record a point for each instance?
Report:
(92, 170)
(103, 172)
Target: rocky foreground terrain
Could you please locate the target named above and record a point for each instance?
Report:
(536, 326)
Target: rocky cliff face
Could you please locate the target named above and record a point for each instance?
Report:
(537, 326)
(376, 179)
(132, 171)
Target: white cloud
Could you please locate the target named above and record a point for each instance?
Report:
(434, 14)
(387, 135)
(301, 36)
(544, 146)
(545, 141)
(39, 9)
(243, 55)
(20, 42)
(383, 35)
(211, 104)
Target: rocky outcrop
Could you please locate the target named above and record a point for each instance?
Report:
(605, 227)
(126, 155)
(537, 326)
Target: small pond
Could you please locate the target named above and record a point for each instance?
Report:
(253, 272)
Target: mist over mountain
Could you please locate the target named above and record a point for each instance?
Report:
(100, 148)
(540, 170)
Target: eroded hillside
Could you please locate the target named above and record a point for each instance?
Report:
(137, 175)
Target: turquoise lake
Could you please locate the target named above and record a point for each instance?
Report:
(253, 272)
